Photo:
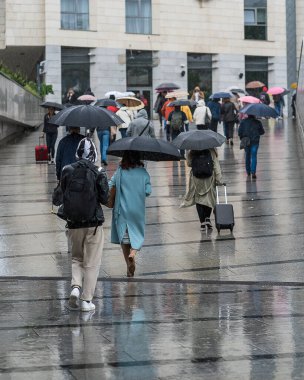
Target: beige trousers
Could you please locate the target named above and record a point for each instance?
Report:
(86, 249)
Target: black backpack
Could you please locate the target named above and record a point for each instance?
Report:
(177, 121)
(80, 196)
(202, 165)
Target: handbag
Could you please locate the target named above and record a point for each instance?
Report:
(111, 197)
(245, 142)
(57, 196)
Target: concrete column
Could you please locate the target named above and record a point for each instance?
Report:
(53, 71)
(168, 68)
(226, 70)
(2, 24)
(108, 70)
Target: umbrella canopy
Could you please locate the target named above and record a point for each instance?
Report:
(255, 84)
(182, 102)
(86, 116)
(249, 99)
(179, 94)
(166, 87)
(259, 110)
(199, 140)
(118, 94)
(236, 90)
(276, 90)
(106, 103)
(57, 106)
(221, 95)
(87, 98)
(150, 149)
(131, 102)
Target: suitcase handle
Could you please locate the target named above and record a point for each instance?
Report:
(43, 141)
(217, 194)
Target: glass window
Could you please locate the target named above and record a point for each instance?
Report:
(75, 14)
(139, 68)
(200, 72)
(138, 16)
(75, 69)
(256, 68)
(255, 19)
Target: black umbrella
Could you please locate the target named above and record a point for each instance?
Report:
(150, 149)
(259, 110)
(167, 87)
(182, 102)
(106, 103)
(55, 105)
(86, 116)
(198, 140)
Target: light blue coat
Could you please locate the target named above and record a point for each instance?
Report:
(132, 188)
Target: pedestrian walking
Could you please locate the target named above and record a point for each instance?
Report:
(188, 113)
(264, 97)
(293, 104)
(229, 117)
(127, 116)
(70, 97)
(202, 116)
(50, 131)
(176, 124)
(66, 150)
(132, 184)
(166, 112)
(84, 188)
(104, 142)
(215, 108)
(158, 105)
(141, 125)
(251, 129)
(279, 104)
(197, 94)
(205, 175)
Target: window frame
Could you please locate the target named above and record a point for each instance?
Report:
(139, 17)
(76, 15)
(256, 24)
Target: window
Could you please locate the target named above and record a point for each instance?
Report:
(256, 68)
(75, 69)
(75, 14)
(255, 18)
(200, 72)
(139, 68)
(138, 16)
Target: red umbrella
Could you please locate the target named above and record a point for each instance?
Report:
(249, 99)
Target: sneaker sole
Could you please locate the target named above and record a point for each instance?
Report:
(86, 310)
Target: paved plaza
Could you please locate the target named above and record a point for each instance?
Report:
(201, 305)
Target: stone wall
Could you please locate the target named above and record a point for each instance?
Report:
(2, 24)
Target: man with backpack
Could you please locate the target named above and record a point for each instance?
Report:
(84, 188)
(176, 123)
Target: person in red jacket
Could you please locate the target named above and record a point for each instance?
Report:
(166, 112)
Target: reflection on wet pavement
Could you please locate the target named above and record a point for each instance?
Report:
(200, 306)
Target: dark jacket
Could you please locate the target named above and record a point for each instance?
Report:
(229, 112)
(101, 187)
(264, 98)
(47, 127)
(252, 128)
(66, 151)
(215, 109)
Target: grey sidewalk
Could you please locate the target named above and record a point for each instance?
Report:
(200, 306)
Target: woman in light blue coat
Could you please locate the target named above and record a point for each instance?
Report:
(132, 183)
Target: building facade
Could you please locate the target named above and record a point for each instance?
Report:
(138, 44)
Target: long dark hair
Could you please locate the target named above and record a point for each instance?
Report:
(130, 160)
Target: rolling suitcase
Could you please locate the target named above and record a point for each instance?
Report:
(224, 215)
(41, 152)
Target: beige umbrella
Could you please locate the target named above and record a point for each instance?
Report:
(255, 84)
(178, 94)
(131, 102)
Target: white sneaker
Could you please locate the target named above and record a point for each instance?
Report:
(87, 306)
(74, 299)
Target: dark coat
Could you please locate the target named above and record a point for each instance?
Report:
(102, 194)
(66, 151)
(229, 112)
(47, 127)
(252, 128)
(215, 109)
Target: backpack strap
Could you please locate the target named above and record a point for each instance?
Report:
(144, 128)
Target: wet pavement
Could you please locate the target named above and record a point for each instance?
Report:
(228, 306)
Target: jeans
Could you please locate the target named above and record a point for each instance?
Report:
(104, 139)
(278, 108)
(123, 132)
(228, 129)
(251, 158)
(50, 142)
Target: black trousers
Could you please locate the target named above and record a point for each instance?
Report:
(203, 212)
(50, 142)
(201, 127)
(213, 125)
